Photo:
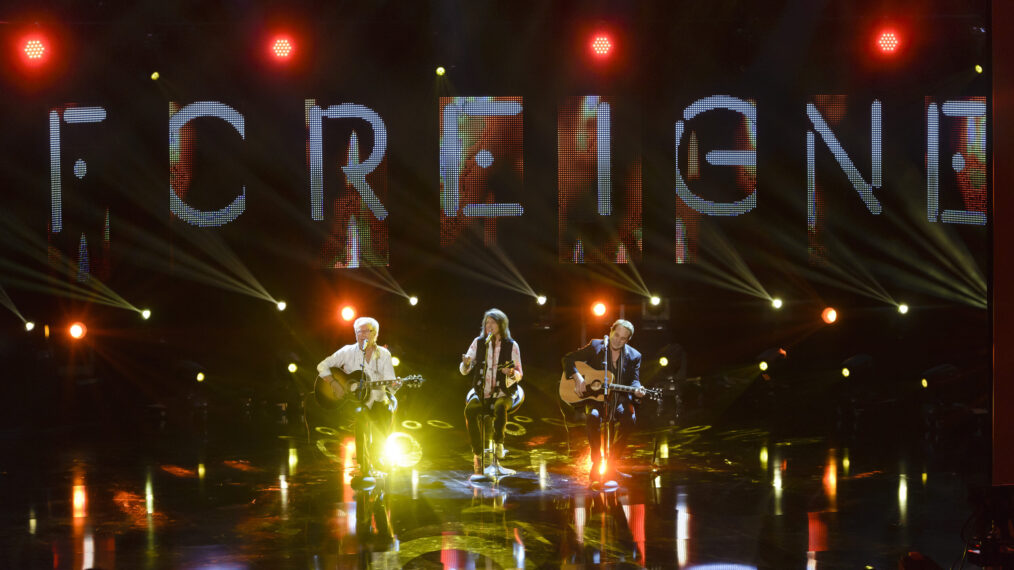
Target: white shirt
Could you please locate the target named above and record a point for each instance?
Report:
(492, 357)
(349, 358)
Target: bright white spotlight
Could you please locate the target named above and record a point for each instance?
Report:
(663, 361)
(441, 71)
(776, 303)
(29, 325)
(541, 299)
(763, 365)
(293, 367)
(146, 314)
(395, 361)
(281, 305)
(903, 309)
(413, 300)
(655, 300)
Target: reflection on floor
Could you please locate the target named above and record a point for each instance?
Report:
(696, 497)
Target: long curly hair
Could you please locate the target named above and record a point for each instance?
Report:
(501, 321)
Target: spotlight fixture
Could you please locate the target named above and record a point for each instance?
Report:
(395, 361)
(34, 50)
(903, 308)
(29, 325)
(541, 299)
(441, 71)
(281, 305)
(200, 377)
(763, 365)
(292, 367)
(771, 357)
(413, 300)
(777, 303)
(978, 68)
(598, 309)
(856, 365)
(655, 300)
(146, 314)
(663, 361)
(155, 75)
(601, 45)
(845, 372)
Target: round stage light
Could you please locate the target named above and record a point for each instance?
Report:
(146, 314)
(413, 300)
(395, 361)
(348, 313)
(541, 300)
(888, 41)
(441, 71)
(845, 372)
(903, 309)
(925, 383)
(599, 309)
(655, 300)
(601, 45)
(663, 361)
(776, 303)
(281, 305)
(200, 377)
(155, 75)
(77, 330)
(29, 325)
(292, 367)
(282, 48)
(34, 49)
(829, 315)
(978, 68)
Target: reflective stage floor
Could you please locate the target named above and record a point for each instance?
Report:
(698, 496)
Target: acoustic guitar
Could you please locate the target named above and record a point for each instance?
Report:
(595, 386)
(351, 385)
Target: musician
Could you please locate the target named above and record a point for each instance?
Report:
(624, 365)
(494, 361)
(374, 411)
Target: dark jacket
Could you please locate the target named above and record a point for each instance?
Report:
(594, 354)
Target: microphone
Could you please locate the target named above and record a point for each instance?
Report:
(605, 384)
(362, 345)
(489, 338)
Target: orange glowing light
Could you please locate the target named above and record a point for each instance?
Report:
(348, 313)
(601, 45)
(829, 315)
(80, 501)
(77, 330)
(599, 309)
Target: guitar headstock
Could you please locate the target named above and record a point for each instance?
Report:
(653, 394)
(413, 381)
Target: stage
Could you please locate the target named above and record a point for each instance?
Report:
(264, 493)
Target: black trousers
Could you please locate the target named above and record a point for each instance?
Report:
(496, 407)
(595, 415)
(373, 425)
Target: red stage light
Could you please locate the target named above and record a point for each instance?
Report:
(348, 313)
(34, 50)
(77, 330)
(601, 45)
(282, 48)
(888, 41)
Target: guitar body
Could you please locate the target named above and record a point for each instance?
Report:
(330, 394)
(594, 386)
(346, 386)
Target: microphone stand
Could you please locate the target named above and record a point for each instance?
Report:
(479, 385)
(609, 399)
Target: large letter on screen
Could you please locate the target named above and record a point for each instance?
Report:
(599, 220)
(481, 159)
(358, 234)
(733, 199)
(181, 146)
(967, 141)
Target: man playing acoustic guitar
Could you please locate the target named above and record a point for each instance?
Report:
(623, 366)
(375, 404)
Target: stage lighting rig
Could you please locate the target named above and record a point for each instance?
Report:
(413, 300)
(857, 365)
(29, 326)
(777, 303)
(281, 305)
(655, 313)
